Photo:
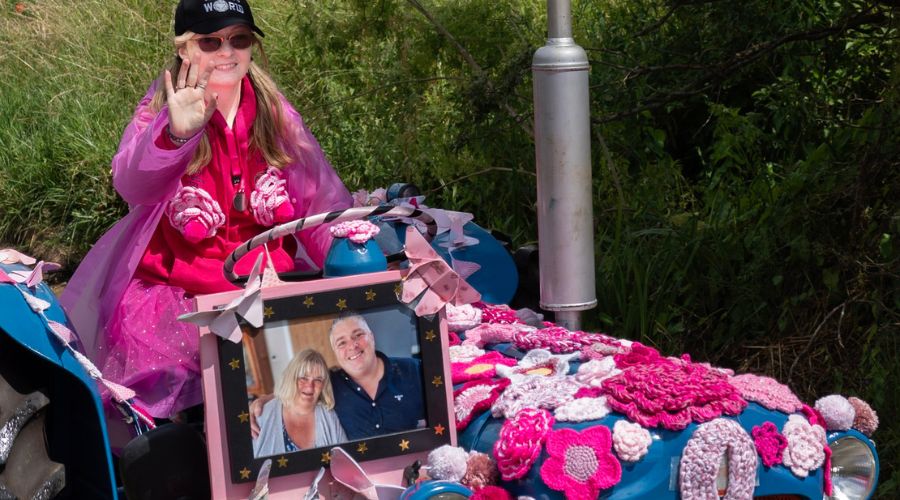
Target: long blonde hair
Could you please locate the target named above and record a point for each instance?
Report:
(302, 365)
(268, 126)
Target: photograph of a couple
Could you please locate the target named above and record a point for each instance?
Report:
(326, 380)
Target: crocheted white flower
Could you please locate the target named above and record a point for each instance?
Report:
(461, 318)
(630, 440)
(582, 409)
(837, 412)
(595, 371)
(806, 445)
(464, 353)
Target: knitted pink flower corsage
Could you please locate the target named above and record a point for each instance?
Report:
(492, 333)
(462, 318)
(269, 200)
(464, 353)
(838, 413)
(519, 443)
(805, 445)
(582, 410)
(357, 231)
(769, 443)
(866, 420)
(484, 366)
(702, 457)
(581, 463)
(474, 397)
(671, 394)
(767, 392)
(630, 440)
(556, 339)
(195, 214)
(535, 392)
(499, 313)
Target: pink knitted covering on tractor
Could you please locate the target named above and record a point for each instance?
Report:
(702, 457)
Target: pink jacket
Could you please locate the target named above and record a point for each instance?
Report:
(147, 177)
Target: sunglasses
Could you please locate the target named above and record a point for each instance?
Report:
(238, 41)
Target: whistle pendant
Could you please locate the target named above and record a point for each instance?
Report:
(240, 201)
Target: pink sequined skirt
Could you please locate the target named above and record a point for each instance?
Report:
(148, 350)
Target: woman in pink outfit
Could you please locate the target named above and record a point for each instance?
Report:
(213, 155)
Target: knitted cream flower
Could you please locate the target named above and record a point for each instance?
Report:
(630, 440)
(805, 450)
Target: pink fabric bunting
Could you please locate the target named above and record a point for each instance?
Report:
(431, 279)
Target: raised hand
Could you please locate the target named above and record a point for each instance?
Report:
(189, 105)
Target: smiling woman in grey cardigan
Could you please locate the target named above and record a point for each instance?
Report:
(302, 415)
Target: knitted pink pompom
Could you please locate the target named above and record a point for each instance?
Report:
(630, 440)
(806, 442)
(766, 391)
(866, 420)
(491, 493)
(769, 443)
(481, 471)
(519, 442)
(193, 206)
(447, 463)
(269, 200)
(837, 412)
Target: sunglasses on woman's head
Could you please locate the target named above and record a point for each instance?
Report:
(212, 43)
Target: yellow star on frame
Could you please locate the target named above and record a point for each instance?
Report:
(370, 295)
(244, 417)
(269, 312)
(362, 448)
(308, 301)
(341, 304)
(245, 473)
(404, 444)
(235, 364)
(437, 381)
(282, 462)
(430, 335)
(439, 429)
(326, 457)
(398, 289)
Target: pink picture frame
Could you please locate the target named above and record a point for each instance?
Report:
(233, 469)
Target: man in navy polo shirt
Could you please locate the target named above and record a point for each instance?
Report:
(373, 394)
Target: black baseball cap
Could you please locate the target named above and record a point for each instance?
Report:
(207, 16)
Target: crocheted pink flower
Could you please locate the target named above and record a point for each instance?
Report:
(866, 420)
(769, 443)
(474, 397)
(581, 463)
(492, 333)
(194, 213)
(702, 457)
(484, 366)
(589, 392)
(453, 339)
(269, 200)
(357, 231)
(595, 371)
(837, 412)
(671, 394)
(766, 391)
(630, 440)
(462, 318)
(519, 442)
(639, 354)
(805, 449)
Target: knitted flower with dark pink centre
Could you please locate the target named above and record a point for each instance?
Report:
(766, 391)
(866, 420)
(484, 366)
(769, 443)
(671, 394)
(805, 451)
(581, 463)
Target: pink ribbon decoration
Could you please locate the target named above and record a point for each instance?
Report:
(223, 322)
(432, 279)
(10, 256)
(34, 277)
